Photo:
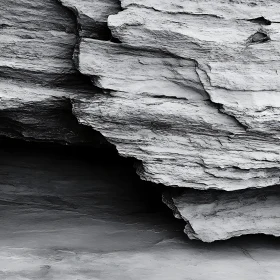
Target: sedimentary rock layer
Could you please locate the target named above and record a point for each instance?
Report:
(66, 218)
(41, 113)
(181, 98)
(189, 88)
(220, 215)
(38, 75)
(92, 16)
(190, 92)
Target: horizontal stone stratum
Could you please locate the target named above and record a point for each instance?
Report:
(189, 88)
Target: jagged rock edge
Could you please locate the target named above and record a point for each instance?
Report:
(167, 199)
(138, 164)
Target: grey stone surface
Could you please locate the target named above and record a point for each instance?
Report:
(188, 88)
(220, 215)
(190, 95)
(37, 73)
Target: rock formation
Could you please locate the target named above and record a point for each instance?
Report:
(37, 73)
(226, 214)
(189, 88)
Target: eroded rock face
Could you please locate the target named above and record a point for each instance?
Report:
(38, 75)
(191, 92)
(220, 215)
(64, 217)
(92, 16)
(189, 88)
(37, 41)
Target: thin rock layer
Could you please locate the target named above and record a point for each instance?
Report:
(191, 91)
(220, 215)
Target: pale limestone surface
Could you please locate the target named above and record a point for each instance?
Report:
(227, 9)
(237, 71)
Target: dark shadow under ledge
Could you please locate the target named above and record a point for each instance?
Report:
(71, 213)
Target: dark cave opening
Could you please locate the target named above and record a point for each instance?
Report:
(47, 129)
(106, 161)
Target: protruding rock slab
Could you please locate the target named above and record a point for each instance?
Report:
(192, 91)
(181, 143)
(190, 88)
(219, 215)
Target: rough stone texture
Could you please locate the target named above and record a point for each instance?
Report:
(35, 112)
(189, 88)
(190, 93)
(37, 41)
(37, 73)
(192, 90)
(220, 215)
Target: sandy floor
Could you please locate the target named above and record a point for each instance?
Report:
(65, 218)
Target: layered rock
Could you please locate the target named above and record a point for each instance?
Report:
(37, 74)
(189, 88)
(37, 41)
(92, 16)
(192, 92)
(220, 215)
(185, 86)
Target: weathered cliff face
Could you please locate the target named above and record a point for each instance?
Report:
(189, 88)
(189, 92)
(92, 16)
(37, 73)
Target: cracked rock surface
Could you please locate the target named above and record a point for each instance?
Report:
(190, 95)
(188, 88)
